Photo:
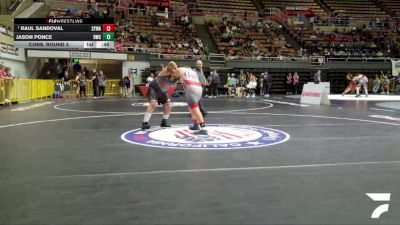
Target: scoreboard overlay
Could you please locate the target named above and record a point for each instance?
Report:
(56, 33)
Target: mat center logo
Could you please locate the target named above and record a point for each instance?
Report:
(219, 137)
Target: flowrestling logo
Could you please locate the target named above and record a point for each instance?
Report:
(223, 137)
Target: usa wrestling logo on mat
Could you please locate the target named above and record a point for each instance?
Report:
(219, 137)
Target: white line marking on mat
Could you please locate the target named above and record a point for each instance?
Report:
(318, 138)
(235, 113)
(64, 119)
(316, 116)
(386, 110)
(223, 169)
(314, 124)
(269, 105)
(286, 103)
(24, 108)
(385, 117)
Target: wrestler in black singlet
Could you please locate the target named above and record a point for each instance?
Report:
(158, 89)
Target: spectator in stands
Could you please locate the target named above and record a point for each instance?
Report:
(185, 43)
(296, 82)
(130, 10)
(377, 85)
(119, 47)
(385, 85)
(81, 80)
(93, 13)
(195, 50)
(107, 13)
(289, 83)
(102, 84)
(213, 80)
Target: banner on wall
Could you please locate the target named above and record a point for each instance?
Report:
(10, 49)
(76, 54)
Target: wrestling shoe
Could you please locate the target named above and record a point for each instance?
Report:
(201, 132)
(194, 127)
(145, 126)
(165, 123)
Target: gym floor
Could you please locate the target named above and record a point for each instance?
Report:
(68, 162)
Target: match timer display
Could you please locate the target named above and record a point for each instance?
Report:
(61, 33)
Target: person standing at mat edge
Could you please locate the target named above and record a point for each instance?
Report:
(95, 83)
(102, 84)
(213, 81)
(317, 77)
(398, 84)
(266, 84)
(203, 81)
(158, 92)
(82, 81)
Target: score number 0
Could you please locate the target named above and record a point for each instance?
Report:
(108, 32)
(108, 27)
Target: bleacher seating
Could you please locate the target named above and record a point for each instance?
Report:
(238, 8)
(141, 31)
(157, 3)
(356, 43)
(393, 5)
(352, 8)
(282, 4)
(164, 36)
(249, 41)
